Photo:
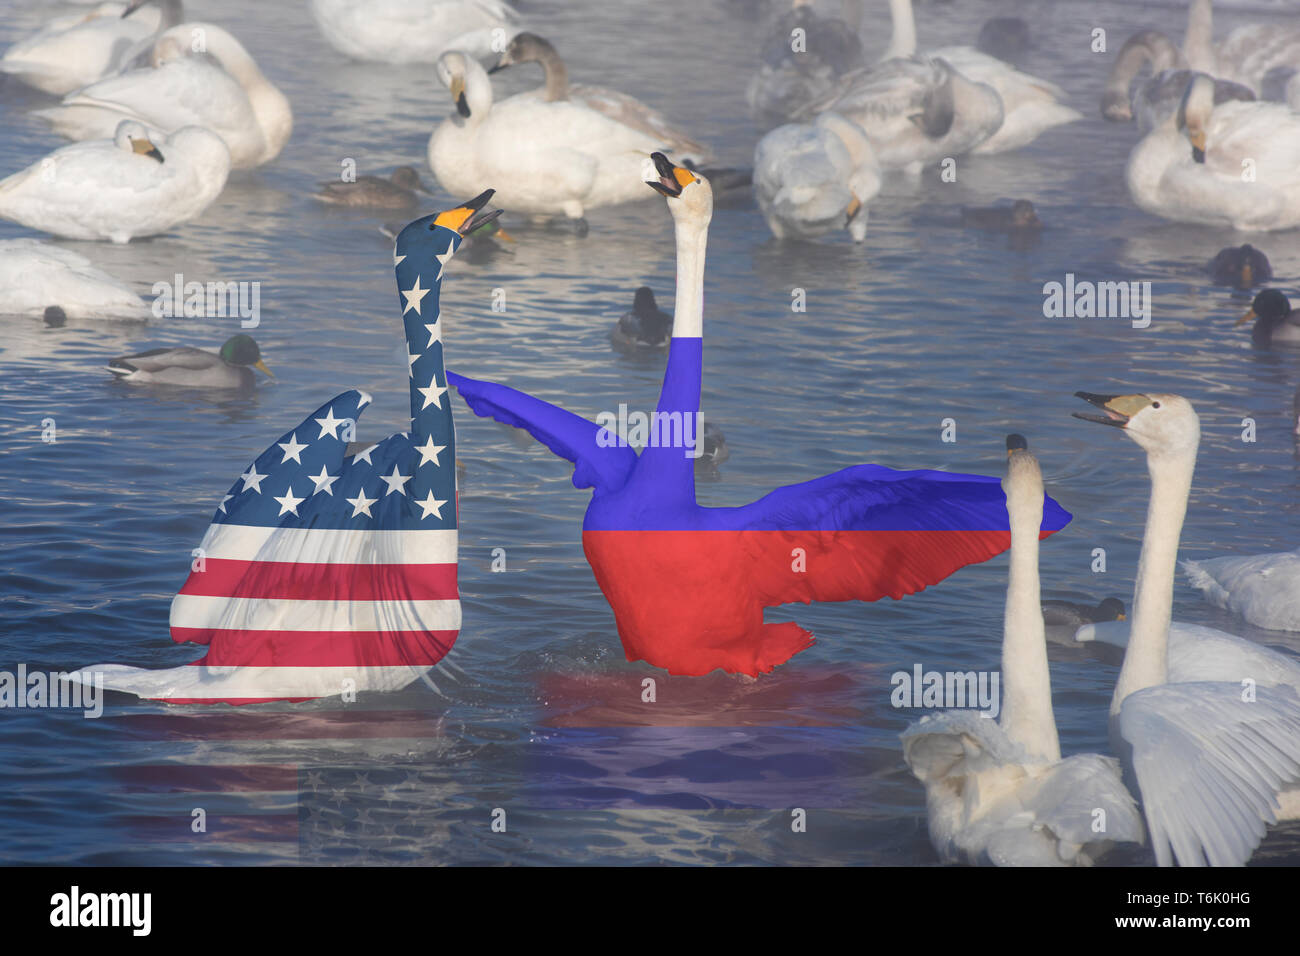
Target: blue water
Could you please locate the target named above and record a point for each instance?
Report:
(536, 712)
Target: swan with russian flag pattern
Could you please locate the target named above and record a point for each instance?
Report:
(327, 569)
(688, 584)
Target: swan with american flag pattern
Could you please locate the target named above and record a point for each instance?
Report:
(328, 569)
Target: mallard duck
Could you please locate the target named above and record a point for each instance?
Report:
(398, 191)
(1019, 215)
(1276, 323)
(194, 368)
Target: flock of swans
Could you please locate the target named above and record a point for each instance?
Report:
(1204, 725)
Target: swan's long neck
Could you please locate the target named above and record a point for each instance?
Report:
(902, 42)
(1149, 46)
(557, 75)
(1026, 683)
(670, 468)
(1146, 660)
(1197, 45)
(688, 306)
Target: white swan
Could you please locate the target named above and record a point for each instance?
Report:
(36, 276)
(813, 178)
(788, 79)
(73, 51)
(201, 76)
(120, 188)
(1030, 106)
(998, 791)
(1207, 725)
(915, 110)
(1191, 167)
(413, 31)
(1247, 55)
(619, 107)
(1262, 588)
(1154, 99)
(545, 159)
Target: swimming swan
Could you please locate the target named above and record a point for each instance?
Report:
(413, 31)
(35, 276)
(1030, 105)
(1206, 725)
(814, 178)
(221, 89)
(546, 159)
(120, 188)
(688, 584)
(1191, 167)
(998, 791)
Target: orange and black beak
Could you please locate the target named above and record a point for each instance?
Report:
(672, 179)
(466, 217)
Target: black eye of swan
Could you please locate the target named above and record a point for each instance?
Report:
(1155, 404)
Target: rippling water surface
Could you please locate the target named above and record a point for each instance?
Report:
(536, 712)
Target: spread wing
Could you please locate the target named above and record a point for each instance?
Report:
(570, 436)
(1210, 765)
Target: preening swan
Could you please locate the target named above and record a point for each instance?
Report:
(1276, 323)
(36, 276)
(221, 89)
(1206, 725)
(1150, 101)
(914, 110)
(1262, 588)
(1030, 106)
(619, 107)
(73, 51)
(688, 584)
(1192, 166)
(788, 79)
(413, 31)
(120, 188)
(230, 367)
(547, 159)
(814, 178)
(998, 791)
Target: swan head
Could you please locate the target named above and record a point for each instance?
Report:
(467, 82)
(1194, 113)
(690, 197)
(427, 237)
(1162, 424)
(134, 138)
(1023, 480)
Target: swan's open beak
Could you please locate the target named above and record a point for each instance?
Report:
(146, 148)
(457, 88)
(672, 179)
(261, 367)
(1248, 317)
(466, 218)
(1118, 408)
